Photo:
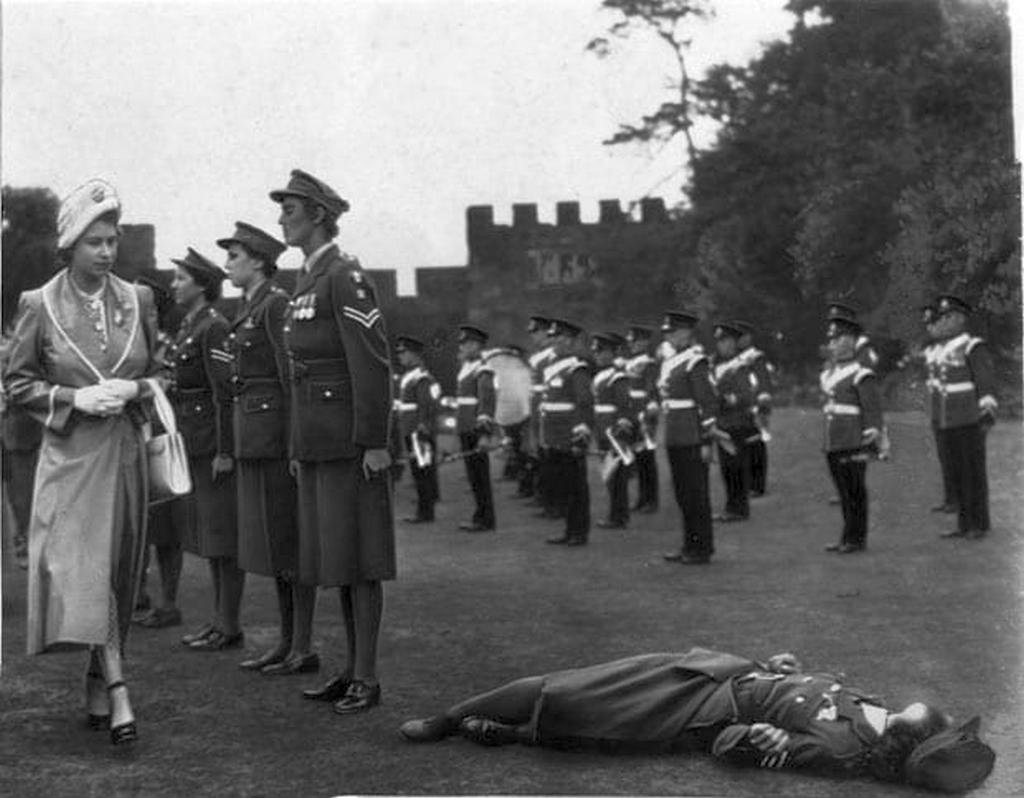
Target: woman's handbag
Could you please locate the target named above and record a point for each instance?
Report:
(169, 477)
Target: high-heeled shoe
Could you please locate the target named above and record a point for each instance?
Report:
(95, 721)
(122, 733)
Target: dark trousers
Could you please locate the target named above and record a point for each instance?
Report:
(849, 471)
(646, 478)
(948, 487)
(965, 456)
(528, 476)
(514, 460)
(618, 495)
(478, 472)
(550, 488)
(735, 470)
(569, 471)
(425, 479)
(758, 467)
(690, 481)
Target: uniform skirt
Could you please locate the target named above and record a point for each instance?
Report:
(162, 529)
(207, 517)
(346, 524)
(268, 527)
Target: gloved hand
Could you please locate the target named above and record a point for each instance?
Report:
(484, 425)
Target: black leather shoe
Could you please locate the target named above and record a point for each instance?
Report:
(200, 634)
(415, 519)
(975, 534)
(269, 658)
(559, 541)
(219, 641)
(473, 526)
(576, 542)
(954, 533)
(358, 698)
(851, 548)
(609, 524)
(331, 691)
(692, 559)
(945, 507)
(310, 663)
(647, 509)
(730, 518)
(673, 556)
(429, 730)
(833, 547)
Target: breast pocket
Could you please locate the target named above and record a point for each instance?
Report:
(261, 403)
(329, 391)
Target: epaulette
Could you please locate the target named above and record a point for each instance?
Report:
(862, 373)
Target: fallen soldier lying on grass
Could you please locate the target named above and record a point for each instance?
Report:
(772, 716)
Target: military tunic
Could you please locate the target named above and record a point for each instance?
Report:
(474, 416)
(642, 370)
(340, 406)
(764, 373)
(737, 394)
(689, 406)
(852, 408)
(612, 416)
(536, 474)
(201, 397)
(418, 395)
(965, 388)
(268, 533)
(932, 354)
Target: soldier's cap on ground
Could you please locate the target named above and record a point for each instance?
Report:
(537, 323)
(951, 303)
(467, 332)
(408, 343)
(564, 327)
(954, 760)
(843, 311)
(929, 313)
(203, 270)
(745, 327)
(838, 327)
(303, 184)
(727, 329)
(639, 332)
(606, 340)
(82, 207)
(679, 320)
(260, 243)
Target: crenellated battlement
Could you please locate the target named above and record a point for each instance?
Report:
(567, 214)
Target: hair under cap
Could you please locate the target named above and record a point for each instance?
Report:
(82, 207)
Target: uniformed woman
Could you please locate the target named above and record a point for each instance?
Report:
(201, 395)
(340, 416)
(268, 535)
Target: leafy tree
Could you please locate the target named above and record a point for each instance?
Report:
(29, 240)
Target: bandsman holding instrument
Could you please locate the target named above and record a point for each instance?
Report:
(614, 428)
(690, 406)
(474, 422)
(538, 465)
(566, 424)
(642, 369)
(932, 355)
(764, 373)
(418, 395)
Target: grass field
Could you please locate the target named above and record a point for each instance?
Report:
(913, 617)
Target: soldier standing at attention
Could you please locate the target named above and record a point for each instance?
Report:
(643, 377)
(612, 417)
(268, 526)
(566, 424)
(690, 408)
(474, 421)
(967, 410)
(763, 371)
(863, 349)
(418, 394)
(340, 405)
(539, 465)
(932, 353)
(737, 391)
(853, 426)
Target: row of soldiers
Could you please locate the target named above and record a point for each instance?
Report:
(613, 398)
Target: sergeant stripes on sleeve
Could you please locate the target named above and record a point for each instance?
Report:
(221, 355)
(365, 319)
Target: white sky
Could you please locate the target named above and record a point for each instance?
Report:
(412, 110)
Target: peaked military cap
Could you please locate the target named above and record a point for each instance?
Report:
(837, 327)
(564, 327)
(842, 311)
(727, 329)
(303, 184)
(639, 332)
(203, 270)
(538, 323)
(467, 332)
(407, 342)
(255, 240)
(606, 340)
(679, 320)
(745, 327)
(954, 760)
(950, 303)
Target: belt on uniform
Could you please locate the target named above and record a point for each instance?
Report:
(467, 400)
(840, 409)
(956, 387)
(602, 408)
(557, 407)
(537, 388)
(190, 394)
(405, 407)
(637, 394)
(678, 404)
(336, 367)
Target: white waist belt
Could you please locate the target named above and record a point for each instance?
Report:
(468, 400)
(557, 407)
(405, 406)
(604, 408)
(637, 394)
(956, 387)
(839, 409)
(678, 404)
